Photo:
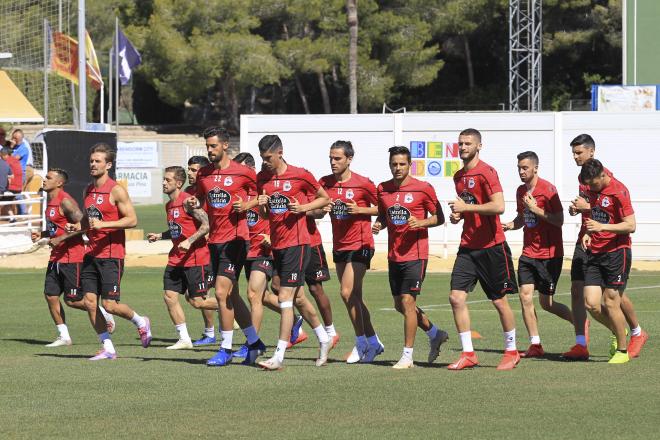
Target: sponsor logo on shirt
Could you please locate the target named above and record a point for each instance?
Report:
(530, 218)
(599, 215)
(399, 215)
(93, 212)
(278, 203)
(218, 198)
(340, 210)
(51, 228)
(252, 218)
(468, 198)
(175, 229)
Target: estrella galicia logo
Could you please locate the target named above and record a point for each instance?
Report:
(218, 198)
(252, 218)
(468, 198)
(278, 203)
(599, 215)
(51, 228)
(175, 229)
(339, 210)
(398, 214)
(530, 218)
(93, 212)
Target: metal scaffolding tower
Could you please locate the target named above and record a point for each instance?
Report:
(525, 44)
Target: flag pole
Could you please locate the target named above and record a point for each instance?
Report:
(82, 67)
(45, 72)
(117, 75)
(110, 63)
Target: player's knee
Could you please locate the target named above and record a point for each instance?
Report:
(456, 299)
(52, 300)
(90, 302)
(345, 293)
(170, 300)
(110, 306)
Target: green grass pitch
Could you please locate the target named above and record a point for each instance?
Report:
(156, 393)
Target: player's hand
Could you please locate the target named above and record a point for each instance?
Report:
(296, 207)
(238, 204)
(152, 236)
(328, 208)
(263, 199)
(35, 236)
(458, 206)
(95, 223)
(572, 210)
(586, 242)
(376, 227)
(72, 227)
(266, 240)
(184, 245)
(581, 204)
(455, 217)
(593, 226)
(529, 201)
(414, 223)
(192, 202)
(507, 226)
(353, 207)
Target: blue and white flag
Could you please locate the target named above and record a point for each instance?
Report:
(129, 58)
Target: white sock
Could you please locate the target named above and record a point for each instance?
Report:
(64, 331)
(182, 329)
(227, 339)
(107, 342)
(432, 332)
(535, 340)
(510, 340)
(138, 320)
(360, 341)
(408, 352)
(321, 334)
(251, 334)
(281, 348)
(581, 340)
(330, 330)
(636, 331)
(106, 315)
(210, 332)
(466, 341)
(373, 340)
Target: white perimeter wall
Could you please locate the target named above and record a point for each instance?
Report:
(626, 143)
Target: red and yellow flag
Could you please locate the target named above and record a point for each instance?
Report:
(64, 59)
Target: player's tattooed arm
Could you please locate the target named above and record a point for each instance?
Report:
(202, 217)
(74, 216)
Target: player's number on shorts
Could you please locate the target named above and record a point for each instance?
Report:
(365, 252)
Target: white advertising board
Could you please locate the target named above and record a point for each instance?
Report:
(137, 155)
(139, 181)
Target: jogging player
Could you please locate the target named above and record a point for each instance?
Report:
(407, 207)
(223, 188)
(483, 254)
(583, 148)
(352, 203)
(284, 191)
(610, 222)
(188, 270)
(541, 216)
(108, 211)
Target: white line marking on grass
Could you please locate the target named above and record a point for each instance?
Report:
(477, 301)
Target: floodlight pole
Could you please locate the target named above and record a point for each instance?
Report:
(82, 67)
(525, 52)
(46, 72)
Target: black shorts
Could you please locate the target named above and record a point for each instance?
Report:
(63, 278)
(578, 264)
(609, 270)
(317, 269)
(102, 276)
(363, 256)
(195, 280)
(290, 264)
(492, 267)
(543, 273)
(228, 259)
(261, 264)
(406, 277)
